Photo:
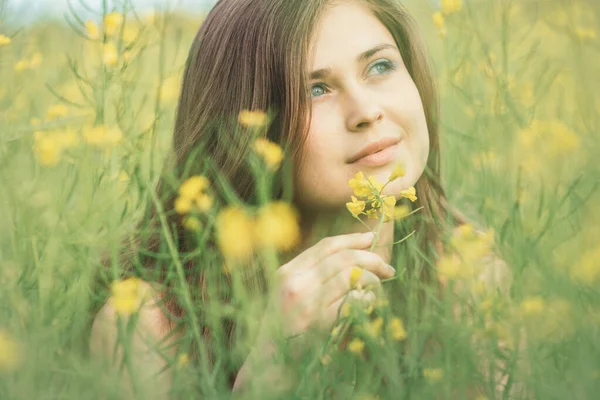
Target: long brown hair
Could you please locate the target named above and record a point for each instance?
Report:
(252, 55)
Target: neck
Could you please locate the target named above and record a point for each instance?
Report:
(315, 226)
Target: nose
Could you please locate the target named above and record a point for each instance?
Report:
(363, 112)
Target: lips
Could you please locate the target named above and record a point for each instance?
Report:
(373, 148)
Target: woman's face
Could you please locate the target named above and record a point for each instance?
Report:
(363, 94)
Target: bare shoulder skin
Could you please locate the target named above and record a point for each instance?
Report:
(151, 329)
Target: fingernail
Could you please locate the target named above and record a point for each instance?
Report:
(391, 269)
(370, 235)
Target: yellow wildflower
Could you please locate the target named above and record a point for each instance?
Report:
(374, 327)
(10, 353)
(192, 224)
(438, 20)
(127, 295)
(183, 205)
(47, 149)
(372, 213)
(183, 360)
(451, 6)
(388, 208)
(401, 211)
(398, 172)
(112, 22)
(587, 270)
(102, 136)
(433, 374)
(21, 65)
(359, 185)
(532, 306)
(356, 207)
(57, 111)
(4, 40)
(355, 274)
(356, 346)
(376, 186)
(270, 152)
(203, 202)
(252, 118)
(396, 329)
(92, 29)
(110, 54)
(277, 226)
(409, 193)
(193, 186)
(235, 233)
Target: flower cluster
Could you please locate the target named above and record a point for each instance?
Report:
(127, 295)
(193, 199)
(369, 200)
(239, 234)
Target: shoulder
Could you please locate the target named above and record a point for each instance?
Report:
(151, 347)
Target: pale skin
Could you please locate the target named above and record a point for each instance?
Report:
(358, 102)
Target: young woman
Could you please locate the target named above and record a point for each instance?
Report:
(351, 90)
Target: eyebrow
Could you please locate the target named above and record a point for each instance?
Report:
(324, 72)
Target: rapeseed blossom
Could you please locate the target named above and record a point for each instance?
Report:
(271, 152)
(193, 196)
(112, 22)
(235, 231)
(396, 329)
(356, 346)
(10, 353)
(277, 226)
(49, 146)
(367, 193)
(102, 136)
(127, 295)
(110, 54)
(252, 118)
(451, 6)
(92, 30)
(355, 274)
(57, 111)
(4, 40)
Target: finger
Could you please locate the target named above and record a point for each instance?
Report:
(325, 247)
(344, 259)
(340, 285)
(332, 312)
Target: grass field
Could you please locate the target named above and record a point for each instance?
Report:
(86, 115)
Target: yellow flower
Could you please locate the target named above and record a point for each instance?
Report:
(252, 118)
(401, 211)
(438, 20)
(92, 29)
(110, 54)
(355, 274)
(270, 152)
(372, 213)
(112, 22)
(376, 186)
(47, 149)
(356, 346)
(21, 65)
(398, 172)
(451, 6)
(374, 327)
(36, 60)
(183, 205)
(183, 360)
(4, 40)
(433, 374)
(409, 193)
(532, 306)
(203, 202)
(235, 233)
(10, 353)
(587, 270)
(396, 329)
(359, 185)
(277, 226)
(388, 208)
(192, 224)
(127, 295)
(193, 186)
(356, 207)
(102, 136)
(57, 111)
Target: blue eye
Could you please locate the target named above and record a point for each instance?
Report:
(387, 66)
(316, 86)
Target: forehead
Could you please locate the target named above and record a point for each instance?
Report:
(345, 30)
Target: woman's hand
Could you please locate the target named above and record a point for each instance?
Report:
(309, 292)
(312, 286)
